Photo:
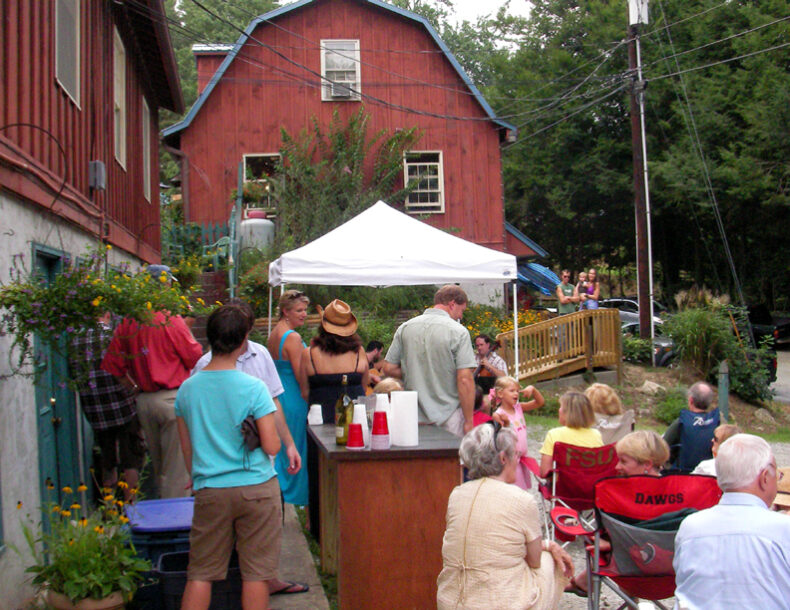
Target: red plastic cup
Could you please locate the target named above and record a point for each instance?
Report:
(355, 438)
(380, 423)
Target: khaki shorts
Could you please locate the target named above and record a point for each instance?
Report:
(252, 516)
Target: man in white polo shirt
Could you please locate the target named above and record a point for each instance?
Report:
(433, 354)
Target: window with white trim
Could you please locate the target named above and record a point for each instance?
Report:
(340, 69)
(67, 47)
(119, 97)
(145, 122)
(423, 171)
(261, 168)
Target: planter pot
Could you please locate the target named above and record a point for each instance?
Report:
(60, 602)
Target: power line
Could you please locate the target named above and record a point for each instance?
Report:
(723, 61)
(715, 42)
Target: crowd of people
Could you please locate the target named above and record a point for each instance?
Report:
(154, 387)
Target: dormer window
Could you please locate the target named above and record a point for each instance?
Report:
(340, 69)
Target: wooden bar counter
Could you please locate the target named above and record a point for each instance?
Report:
(383, 518)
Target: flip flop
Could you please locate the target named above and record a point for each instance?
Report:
(292, 588)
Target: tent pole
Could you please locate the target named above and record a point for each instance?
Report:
(515, 326)
(269, 332)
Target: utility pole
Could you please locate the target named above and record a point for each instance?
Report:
(637, 12)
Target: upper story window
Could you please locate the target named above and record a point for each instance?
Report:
(67, 47)
(119, 97)
(260, 168)
(423, 170)
(145, 123)
(340, 69)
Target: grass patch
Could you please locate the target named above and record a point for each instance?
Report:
(670, 405)
(328, 581)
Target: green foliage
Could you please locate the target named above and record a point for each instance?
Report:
(670, 405)
(86, 553)
(187, 271)
(71, 303)
(636, 349)
(704, 337)
(374, 328)
(254, 288)
(327, 176)
(550, 409)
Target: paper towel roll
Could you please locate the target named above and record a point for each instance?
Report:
(404, 426)
(361, 417)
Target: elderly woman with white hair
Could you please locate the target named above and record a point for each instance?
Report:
(493, 554)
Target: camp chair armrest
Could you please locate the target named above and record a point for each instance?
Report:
(532, 465)
(569, 522)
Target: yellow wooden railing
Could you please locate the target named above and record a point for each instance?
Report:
(565, 344)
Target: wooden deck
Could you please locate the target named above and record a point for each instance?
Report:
(579, 341)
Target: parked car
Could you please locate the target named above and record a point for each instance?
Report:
(765, 324)
(663, 346)
(629, 309)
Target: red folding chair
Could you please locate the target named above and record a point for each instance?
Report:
(638, 517)
(569, 484)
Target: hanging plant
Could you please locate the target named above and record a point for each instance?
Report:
(67, 306)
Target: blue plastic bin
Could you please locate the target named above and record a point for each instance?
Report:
(172, 572)
(160, 526)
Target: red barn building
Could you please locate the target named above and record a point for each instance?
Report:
(81, 84)
(314, 57)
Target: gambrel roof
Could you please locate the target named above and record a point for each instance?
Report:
(172, 132)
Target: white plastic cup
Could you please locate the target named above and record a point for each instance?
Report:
(314, 416)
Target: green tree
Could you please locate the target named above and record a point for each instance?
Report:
(327, 176)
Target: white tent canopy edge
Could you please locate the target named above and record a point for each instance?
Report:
(384, 247)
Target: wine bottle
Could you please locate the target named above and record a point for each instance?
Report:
(344, 411)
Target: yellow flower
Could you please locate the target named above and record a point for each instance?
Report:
(148, 305)
(98, 529)
(112, 286)
(112, 513)
(75, 506)
(82, 487)
(163, 278)
(71, 541)
(65, 513)
(67, 490)
(201, 301)
(83, 522)
(109, 247)
(106, 490)
(123, 484)
(95, 302)
(119, 503)
(19, 505)
(123, 519)
(55, 508)
(50, 484)
(133, 491)
(218, 303)
(109, 498)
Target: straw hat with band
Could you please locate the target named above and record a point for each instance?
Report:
(783, 489)
(338, 319)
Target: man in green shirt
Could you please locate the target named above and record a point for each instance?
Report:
(567, 299)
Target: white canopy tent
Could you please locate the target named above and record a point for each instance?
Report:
(403, 251)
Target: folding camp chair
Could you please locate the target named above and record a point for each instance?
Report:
(570, 482)
(639, 516)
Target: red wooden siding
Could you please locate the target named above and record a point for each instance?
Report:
(401, 65)
(31, 94)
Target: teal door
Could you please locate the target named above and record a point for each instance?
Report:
(57, 421)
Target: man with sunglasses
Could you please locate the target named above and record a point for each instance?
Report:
(735, 554)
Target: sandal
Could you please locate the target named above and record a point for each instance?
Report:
(291, 588)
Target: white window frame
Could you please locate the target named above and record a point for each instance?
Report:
(334, 89)
(145, 122)
(271, 205)
(64, 46)
(119, 98)
(413, 203)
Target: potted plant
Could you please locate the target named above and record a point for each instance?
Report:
(84, 559)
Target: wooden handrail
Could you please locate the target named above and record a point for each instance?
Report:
(559, 346)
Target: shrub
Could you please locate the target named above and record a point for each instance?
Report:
(705, 337)
(670, 405)
(636, 349)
